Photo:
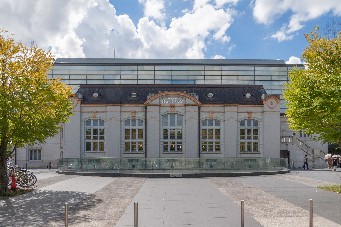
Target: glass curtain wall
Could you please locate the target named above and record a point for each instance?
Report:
(271, 77)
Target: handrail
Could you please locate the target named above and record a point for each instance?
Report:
(300, 145)
(303, 146)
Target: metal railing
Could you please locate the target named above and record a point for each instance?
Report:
(151, 164)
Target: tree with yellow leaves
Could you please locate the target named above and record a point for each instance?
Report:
(32, 107)
(313, 95)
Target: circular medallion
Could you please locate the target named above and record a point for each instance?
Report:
(271, 103)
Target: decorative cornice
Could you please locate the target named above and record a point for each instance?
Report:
(171, 93)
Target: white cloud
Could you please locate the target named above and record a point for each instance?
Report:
(282, 35)
(105, 34)
(185, 37)
(47, 23)
(230, 48)
(200, 3)
(91, 28)
(294, 60)
(266, 11)
(154, 9)
(220, 3)
(218, 57)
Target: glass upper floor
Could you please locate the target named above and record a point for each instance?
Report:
(272, 74)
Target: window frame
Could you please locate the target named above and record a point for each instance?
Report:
(214, 141)
(172, 140)
(90, 138)
(137, 140)
(38, 154)
(249, 136)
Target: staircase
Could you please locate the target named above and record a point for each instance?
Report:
(315, 155)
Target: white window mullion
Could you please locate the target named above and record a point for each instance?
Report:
(170, 122)
(94, 142)
(136, 144)
(210, 142)
(249, 142)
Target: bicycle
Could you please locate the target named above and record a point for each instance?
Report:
(24, 178)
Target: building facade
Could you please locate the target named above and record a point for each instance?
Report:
(173, 121)
(134, 108)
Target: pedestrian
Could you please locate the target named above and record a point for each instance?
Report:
(330, 163)
(305, 163)
(50, 164)
(334, 163)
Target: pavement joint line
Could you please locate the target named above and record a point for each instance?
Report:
(261, 206)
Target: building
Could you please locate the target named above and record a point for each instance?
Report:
(168, 108)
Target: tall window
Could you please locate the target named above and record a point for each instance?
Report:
(34, 154)
(210, 135)
(133, 135)
(303, 134)
(172, 132)
(249, 136)
(94, 135)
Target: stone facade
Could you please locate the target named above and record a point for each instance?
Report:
(192, 111)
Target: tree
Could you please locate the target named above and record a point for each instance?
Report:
(313, 94)
(32, 107)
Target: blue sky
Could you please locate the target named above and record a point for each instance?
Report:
(245, 29)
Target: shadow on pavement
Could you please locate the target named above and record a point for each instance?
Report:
(45, 208)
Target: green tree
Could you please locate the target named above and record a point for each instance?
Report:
(32, 107)
(313, 95)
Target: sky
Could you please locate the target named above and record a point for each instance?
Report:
(176, 29)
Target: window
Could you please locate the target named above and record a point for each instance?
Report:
(172, 132)
(94, 135)
(286, 139)
(303, 134)
(210, 135)
(249, 136)
(34, 154)
(133, 135)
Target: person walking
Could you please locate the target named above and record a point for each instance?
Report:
(334, 163)
(305, 163)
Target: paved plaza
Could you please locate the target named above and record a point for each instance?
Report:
(270, 200)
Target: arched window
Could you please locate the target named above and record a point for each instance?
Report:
(172, 132)
(133, 135)
(210, 135)
(249, 135)
(94, 135)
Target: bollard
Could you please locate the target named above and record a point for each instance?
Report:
(66, 215)
(136, 214)
(242, 213)
(311, 213)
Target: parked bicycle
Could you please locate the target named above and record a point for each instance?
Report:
(23, 177)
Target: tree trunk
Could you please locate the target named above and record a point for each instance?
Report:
(3, 165)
